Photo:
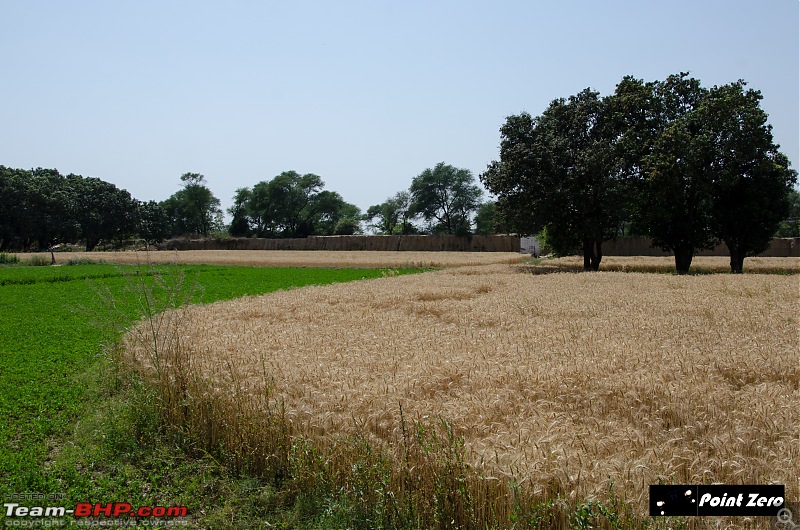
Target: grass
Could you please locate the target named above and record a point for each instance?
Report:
(54, 378)
(525, 398)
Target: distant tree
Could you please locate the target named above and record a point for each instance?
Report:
(34, 208)
(101, 210)
(561, 171)
(293, 205)
(328, 212)
(193, 209)
(152, 222)
(489, 220)
(790, 227)
(393, 216)
(446, 198)
(240, 223)
(347, 226)
(14, 212)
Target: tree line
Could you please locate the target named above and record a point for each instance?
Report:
(685, 165)
(41, 207)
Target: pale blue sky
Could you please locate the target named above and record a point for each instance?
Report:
(365, 94)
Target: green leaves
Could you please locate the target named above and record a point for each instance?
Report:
(445, 197)
(560, 171)
(292, 205)
(194, 209)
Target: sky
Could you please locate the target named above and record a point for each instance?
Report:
(365, 94)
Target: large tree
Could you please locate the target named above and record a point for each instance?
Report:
(752, 182)
(193, 209)
(446, 197)
(710, 170)
(561, 171)
(675, 190)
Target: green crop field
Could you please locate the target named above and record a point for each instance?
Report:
(67, 430)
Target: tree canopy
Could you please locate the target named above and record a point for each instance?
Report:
(560, 171)
(292, 205)
(446, 198)
(193, 209)
(41, 207)
(393, 216)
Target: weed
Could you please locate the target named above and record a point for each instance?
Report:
(8, 259)
(37, 261)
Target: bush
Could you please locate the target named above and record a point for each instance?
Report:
(8, 259)
(37, 261)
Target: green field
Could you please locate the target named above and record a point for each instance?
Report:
(71, 427)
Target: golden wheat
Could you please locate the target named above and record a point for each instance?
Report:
(579, 380)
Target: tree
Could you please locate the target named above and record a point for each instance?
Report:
(240, 224)
(488, 220)
(101, 210)
(393, 216)
(751, 178)
(710, 170)
(790, 227)
(35, 208)
(561, 171)
(292, 205)
(329, 214)
(152, 222)
(193, 209)
(446, 197)
(675, 196)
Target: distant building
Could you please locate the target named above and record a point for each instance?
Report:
(530, 245)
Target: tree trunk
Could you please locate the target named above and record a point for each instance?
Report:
(588, 254)
(592, 254)
(737, 254)
(598, 254)
(683, 259)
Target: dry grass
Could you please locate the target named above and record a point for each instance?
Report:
(298, 258)
(565, 382)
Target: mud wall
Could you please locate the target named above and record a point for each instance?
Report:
(395, 243)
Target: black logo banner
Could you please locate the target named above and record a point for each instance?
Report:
(722, 500)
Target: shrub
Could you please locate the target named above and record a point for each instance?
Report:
(37, 261)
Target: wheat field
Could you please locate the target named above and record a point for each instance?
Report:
(575, 380)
